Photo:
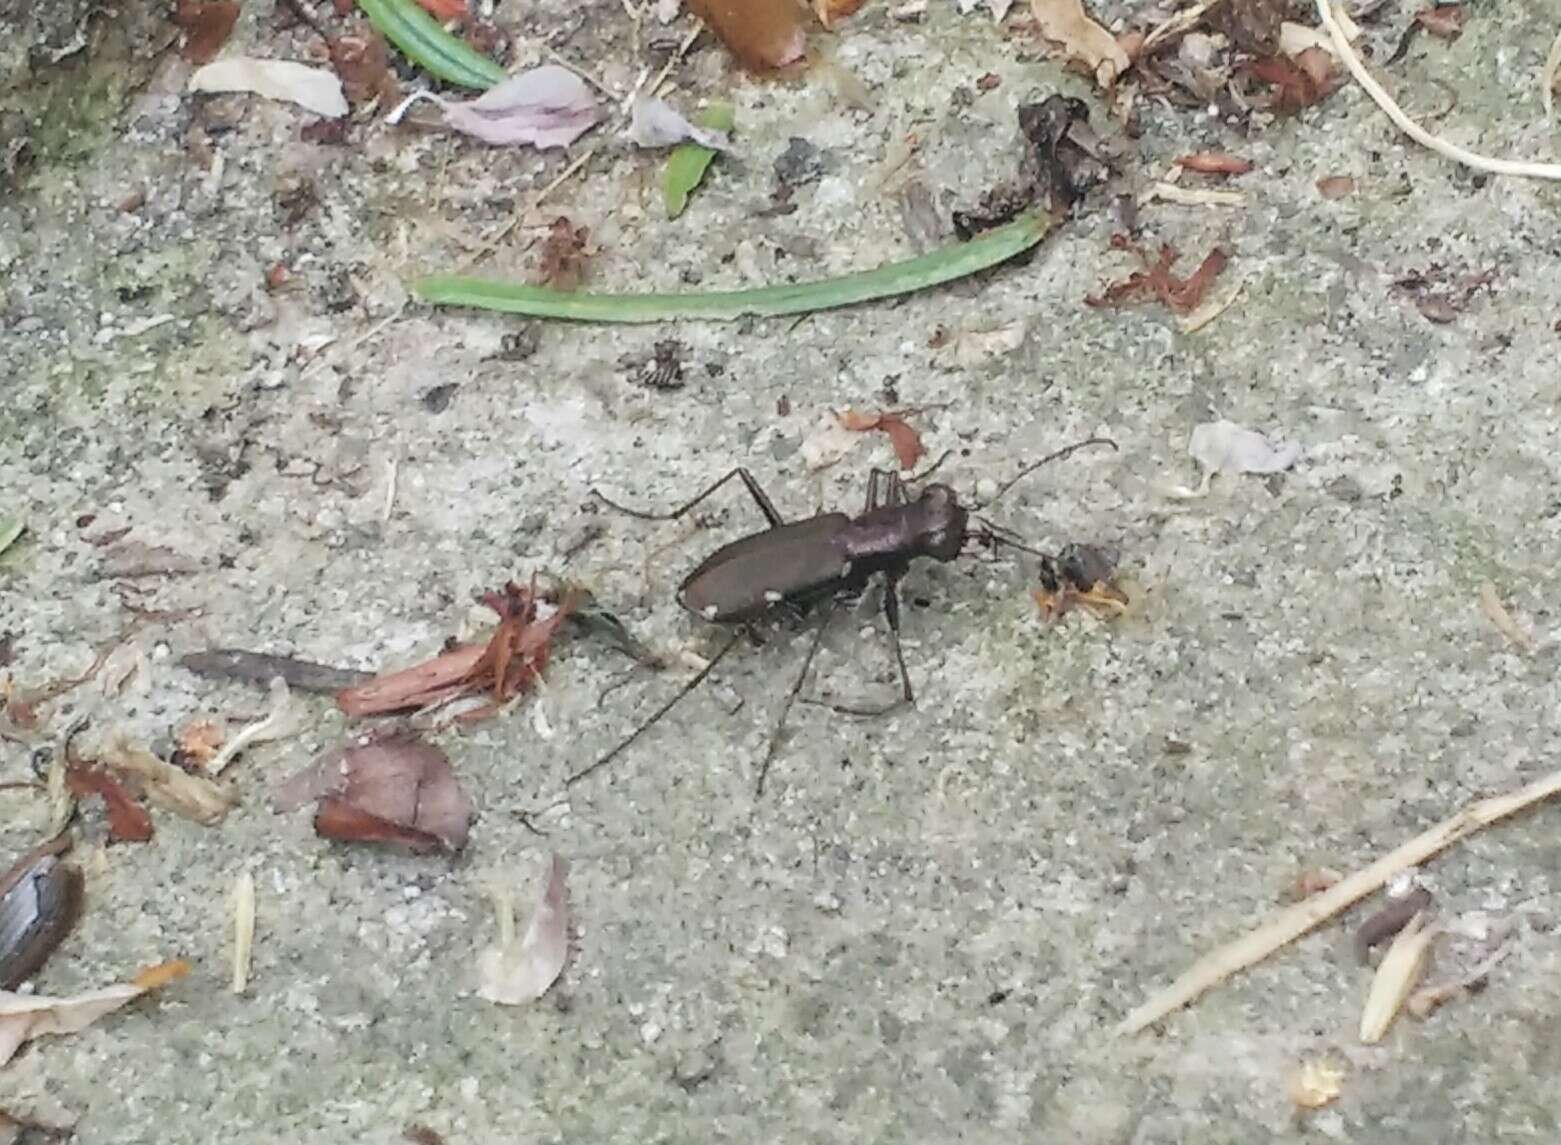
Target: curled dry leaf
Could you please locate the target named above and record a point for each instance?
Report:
(313, 89)
(1396, 979)
(393, 789)
(654, 123)
(1065, 22)
(163, 784)
(507, 664)
(243, 929)
(764, 35)
(544, 107)
(207, 25)
(40, 900)
(128, 821)
(908, 448)
(513, 973)
(1182, 295)
(1214, 163)
(1444, 21)
(27, 1016)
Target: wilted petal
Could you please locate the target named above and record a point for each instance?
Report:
(513, 973)
(545, 107)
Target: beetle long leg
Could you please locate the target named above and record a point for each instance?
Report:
(765, 505)
(891, 611)
(791, 698)
(663, 710)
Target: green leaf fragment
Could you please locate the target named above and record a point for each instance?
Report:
(10, 529)
(957, 260)
(423, 41)
(687, 165)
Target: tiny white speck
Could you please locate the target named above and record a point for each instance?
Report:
(709, 611)
(772, 597)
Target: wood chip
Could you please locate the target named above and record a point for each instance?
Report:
(243, 929)
(1395, 979)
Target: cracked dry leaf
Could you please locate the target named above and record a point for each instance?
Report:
(1065, 22)
(511, 973)
(27, 1016)
(547, 106)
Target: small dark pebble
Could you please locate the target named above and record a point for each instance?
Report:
(437, 399)
(1389, 921)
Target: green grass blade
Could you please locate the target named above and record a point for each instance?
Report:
(421, 39)
(946, 264)
(686, 166)
(10, 529)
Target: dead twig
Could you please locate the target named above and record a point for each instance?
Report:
(1286, 925)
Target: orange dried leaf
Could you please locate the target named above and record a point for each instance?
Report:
(764, 35)
(1182, 295)
(1214, 163)
(156, 977)
(906, 441)
(128, 821)
(363, 65)
(831, 12)
(207, 25)
(444, 10)
(200, 740)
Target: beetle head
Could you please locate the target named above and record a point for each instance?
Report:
(944, 523)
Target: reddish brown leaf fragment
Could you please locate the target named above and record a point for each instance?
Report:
(420, 1134)
(396, 790)
(563, 255)
(988, 82)
(363, 64)
(207, 25)
(1295, 84)
(1182, 295)
(764, 35)
(1444, 21)
(128, 821)
(444, 10)
(1214, 163)
(1335, 186)
(908, 448)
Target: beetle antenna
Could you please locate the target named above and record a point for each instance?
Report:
(1065, 451)
(927, 472)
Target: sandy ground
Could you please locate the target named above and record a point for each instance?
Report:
(927, 927)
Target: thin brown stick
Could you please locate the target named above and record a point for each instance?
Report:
(1286, 925)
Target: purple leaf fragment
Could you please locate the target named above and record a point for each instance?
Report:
(654, 123)
(548, 106)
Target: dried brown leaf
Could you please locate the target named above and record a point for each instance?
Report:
(128, 821)
(908, 448)
(1181, 295)
(396, 790)
(507, 664)
(764, 35)
(1214, 163)
(1293, 86)
(1444, 21)
(207, 25)
(563, 255)
(363, 64)
(1065, 22)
